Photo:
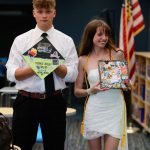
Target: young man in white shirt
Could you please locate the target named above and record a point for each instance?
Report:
(33, 104)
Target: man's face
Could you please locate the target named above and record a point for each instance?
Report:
(44, 17)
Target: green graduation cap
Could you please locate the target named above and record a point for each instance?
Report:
(43, 58)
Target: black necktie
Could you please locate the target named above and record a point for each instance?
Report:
(49, 82)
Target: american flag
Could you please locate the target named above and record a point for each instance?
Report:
(131, 23)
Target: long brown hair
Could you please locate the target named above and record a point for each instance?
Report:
(86, 43)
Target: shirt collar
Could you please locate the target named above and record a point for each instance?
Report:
(38, 32)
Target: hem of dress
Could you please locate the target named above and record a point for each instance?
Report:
(102, 134)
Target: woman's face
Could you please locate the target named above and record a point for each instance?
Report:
(100, 38)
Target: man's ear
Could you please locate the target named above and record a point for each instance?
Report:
(55, 14)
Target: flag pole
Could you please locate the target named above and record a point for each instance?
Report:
(126, 28)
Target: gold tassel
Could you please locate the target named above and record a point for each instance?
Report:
(82, 128)
(123, 140)
(86, 82)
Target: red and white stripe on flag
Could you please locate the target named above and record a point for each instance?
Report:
(138, 20)
(131, 23)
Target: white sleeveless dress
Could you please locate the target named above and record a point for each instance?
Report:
(104, 111)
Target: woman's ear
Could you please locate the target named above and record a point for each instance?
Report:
(33, 13)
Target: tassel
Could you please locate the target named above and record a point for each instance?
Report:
(86, 82)
(82, 128)
(123, 140)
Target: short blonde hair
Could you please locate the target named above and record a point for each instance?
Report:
(48, 4)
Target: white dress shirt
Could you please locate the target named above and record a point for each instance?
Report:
(62, 42)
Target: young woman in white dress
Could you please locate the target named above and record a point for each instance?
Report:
(105, 109)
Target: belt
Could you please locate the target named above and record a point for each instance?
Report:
(39, 95)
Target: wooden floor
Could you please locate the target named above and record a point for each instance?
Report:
(136, 141)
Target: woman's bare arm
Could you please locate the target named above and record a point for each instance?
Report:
(78, 90)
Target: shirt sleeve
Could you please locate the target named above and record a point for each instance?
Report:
(14, 61)
(71, 62)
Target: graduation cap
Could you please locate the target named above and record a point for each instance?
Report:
(43, 58)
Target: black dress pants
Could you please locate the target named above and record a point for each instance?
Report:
(50, 113)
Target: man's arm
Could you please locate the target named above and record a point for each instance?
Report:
(17, 69)
(23, 73)
(61, 71)
(70, 67)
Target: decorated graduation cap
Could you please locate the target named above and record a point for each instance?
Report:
(43, 58)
